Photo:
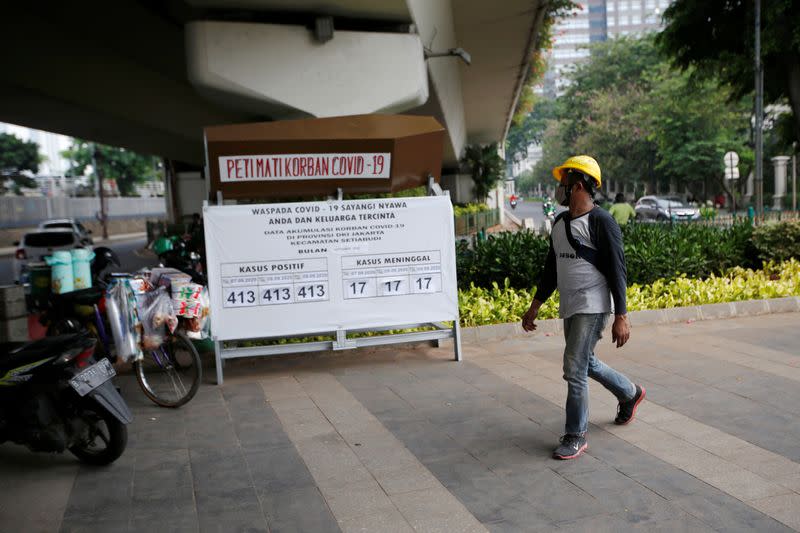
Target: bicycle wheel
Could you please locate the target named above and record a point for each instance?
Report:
(171, 374)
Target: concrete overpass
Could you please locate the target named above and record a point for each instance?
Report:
(148, 75)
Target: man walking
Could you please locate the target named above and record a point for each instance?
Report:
(586, 263)
(621, 210)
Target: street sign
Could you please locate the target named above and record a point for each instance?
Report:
(306, 158)
(287, 269)
(732, 173)
(731, 160)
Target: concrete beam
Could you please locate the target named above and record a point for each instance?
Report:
(283, 72)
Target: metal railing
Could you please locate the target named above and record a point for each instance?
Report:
(474, 222)
(22, 211)
(769, 217)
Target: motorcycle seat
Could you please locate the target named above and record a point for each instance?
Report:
(89, 296)
(14, 355)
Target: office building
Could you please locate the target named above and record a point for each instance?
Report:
(596, 21)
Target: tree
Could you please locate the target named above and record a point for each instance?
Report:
(126, 167)
(694, 122)
(528, 182)
(717, 38)
(550, 11)
(617, 132)
(554, 152)
(621, 64)
(532, 127)
(17, 156)
(486, 167)
(645, 121)
(599, 113)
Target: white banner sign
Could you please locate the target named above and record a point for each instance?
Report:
(299, 268)
(287, 167)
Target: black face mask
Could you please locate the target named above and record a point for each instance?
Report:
(563, 194)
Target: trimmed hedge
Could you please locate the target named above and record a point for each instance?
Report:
(664, 251)
(517, 256)
(501, 304)
(778, 242)
(653, 251)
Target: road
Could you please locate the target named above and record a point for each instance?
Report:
(125, 249)
(529, 209)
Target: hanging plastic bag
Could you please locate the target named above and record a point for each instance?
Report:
(157, 316)
(123, 319)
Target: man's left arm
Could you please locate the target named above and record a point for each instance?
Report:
(610, 241)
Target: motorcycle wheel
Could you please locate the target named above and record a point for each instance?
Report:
(108, 438)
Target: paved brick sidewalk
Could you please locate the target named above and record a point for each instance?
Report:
(406, 440)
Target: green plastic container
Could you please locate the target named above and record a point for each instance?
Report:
(61, 274)
(39, 279)
(82, 268)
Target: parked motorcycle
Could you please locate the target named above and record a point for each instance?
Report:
(83, 309)
(104, 258)
(55, 396)
(178, 252)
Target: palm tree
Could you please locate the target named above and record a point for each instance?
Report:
(486, 167)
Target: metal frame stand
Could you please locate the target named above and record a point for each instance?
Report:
(440, 332)
(342, 342)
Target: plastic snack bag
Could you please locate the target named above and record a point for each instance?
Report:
(198, 327)
(123, 319)
(182, 290)
(156, 315)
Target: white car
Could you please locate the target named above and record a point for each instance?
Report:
(35, 245)
(69, 223)
(661, 208)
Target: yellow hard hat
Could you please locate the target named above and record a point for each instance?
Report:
(583, 163)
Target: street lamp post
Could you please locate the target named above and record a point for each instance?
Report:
(759, 139)
(794, 176)
(759, 114)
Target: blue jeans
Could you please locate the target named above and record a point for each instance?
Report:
(582, 331)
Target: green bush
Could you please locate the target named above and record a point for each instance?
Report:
(708, 212)
(778, 241)
(466, 209)
(666, 251)
(653, 251)
(502, 303)
(516, 256)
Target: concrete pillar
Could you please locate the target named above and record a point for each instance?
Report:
(779, 164)
(495, 199)
(460, 187)
(190, 193)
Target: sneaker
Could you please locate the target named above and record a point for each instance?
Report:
(627, 410)
(572, 446)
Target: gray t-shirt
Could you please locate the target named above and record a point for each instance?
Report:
(582, 288)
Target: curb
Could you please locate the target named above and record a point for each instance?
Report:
(649, 317)
(514, 219)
